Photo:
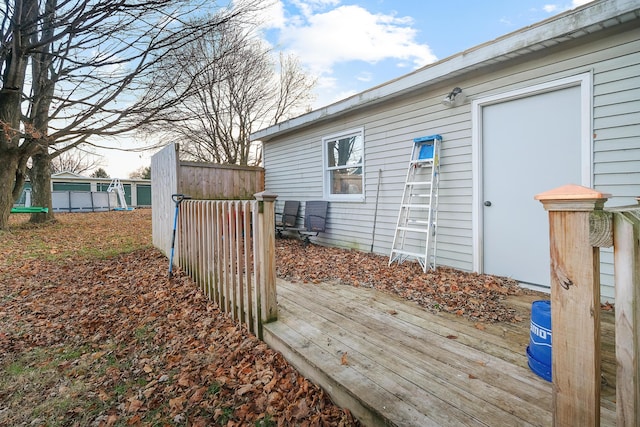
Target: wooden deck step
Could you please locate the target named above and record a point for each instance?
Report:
(392, 363)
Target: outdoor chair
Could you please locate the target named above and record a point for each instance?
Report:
(288, 217)
(315, 220)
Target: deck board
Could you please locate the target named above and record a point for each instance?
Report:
(391, 362)
(404, 363)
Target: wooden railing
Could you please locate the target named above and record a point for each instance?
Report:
(578, 227)
(228, 248)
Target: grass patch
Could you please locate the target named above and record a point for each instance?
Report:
(213, 389)
(120, 389)
(71, 353)
(72, 236)
(16, 369)
(144, 334)
(51, 385)
(224, 416)
(267, 421)
(34, 387)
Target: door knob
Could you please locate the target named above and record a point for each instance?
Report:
(487, 203)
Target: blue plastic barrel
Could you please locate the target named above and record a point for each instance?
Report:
(539, 349)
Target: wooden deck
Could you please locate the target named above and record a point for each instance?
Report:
(392, 363)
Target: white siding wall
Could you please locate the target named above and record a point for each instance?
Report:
(616, 130)
(293, 163)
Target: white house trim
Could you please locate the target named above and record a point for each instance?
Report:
(583, 80)
(326, 184)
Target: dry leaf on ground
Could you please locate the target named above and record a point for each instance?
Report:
(87, 311)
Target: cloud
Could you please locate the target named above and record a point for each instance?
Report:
(329, 90)
(557, 8)
(269, 17)
(576, 3)
(365, 76)
(308, 7)
(322, 36)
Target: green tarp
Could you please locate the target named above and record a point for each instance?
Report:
(30, 209)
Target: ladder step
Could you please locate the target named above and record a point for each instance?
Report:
(416, 183)
(408, 253)
(416, 206)
(420, 222)
(415, 230)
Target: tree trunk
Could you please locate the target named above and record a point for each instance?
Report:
(8, 166)
(40, 175)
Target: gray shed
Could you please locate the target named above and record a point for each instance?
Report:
(554, 103)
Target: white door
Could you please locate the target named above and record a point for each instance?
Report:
(529, 145)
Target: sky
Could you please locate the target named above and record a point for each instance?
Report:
(352, 46)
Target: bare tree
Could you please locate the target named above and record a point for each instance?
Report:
(76, 161)
(77, 70)
(239, 87)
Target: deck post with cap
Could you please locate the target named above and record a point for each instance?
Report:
(268, 304)
(578, 227)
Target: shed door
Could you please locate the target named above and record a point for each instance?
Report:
(143, 193)
(529, 145)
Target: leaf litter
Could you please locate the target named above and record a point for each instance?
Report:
(479, 297)
(93, 333)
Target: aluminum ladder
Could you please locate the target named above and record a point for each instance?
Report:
(415, 235)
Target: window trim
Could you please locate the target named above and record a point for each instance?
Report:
(326, 170)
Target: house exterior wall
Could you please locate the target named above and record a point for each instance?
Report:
(294, 168)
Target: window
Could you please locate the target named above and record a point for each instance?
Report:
(343, 166)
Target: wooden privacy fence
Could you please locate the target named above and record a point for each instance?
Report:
(203, 181)
(578, 228)
(228, 248)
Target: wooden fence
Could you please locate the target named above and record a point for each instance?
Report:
(228, 248)
(578, 227)
(205, 181)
